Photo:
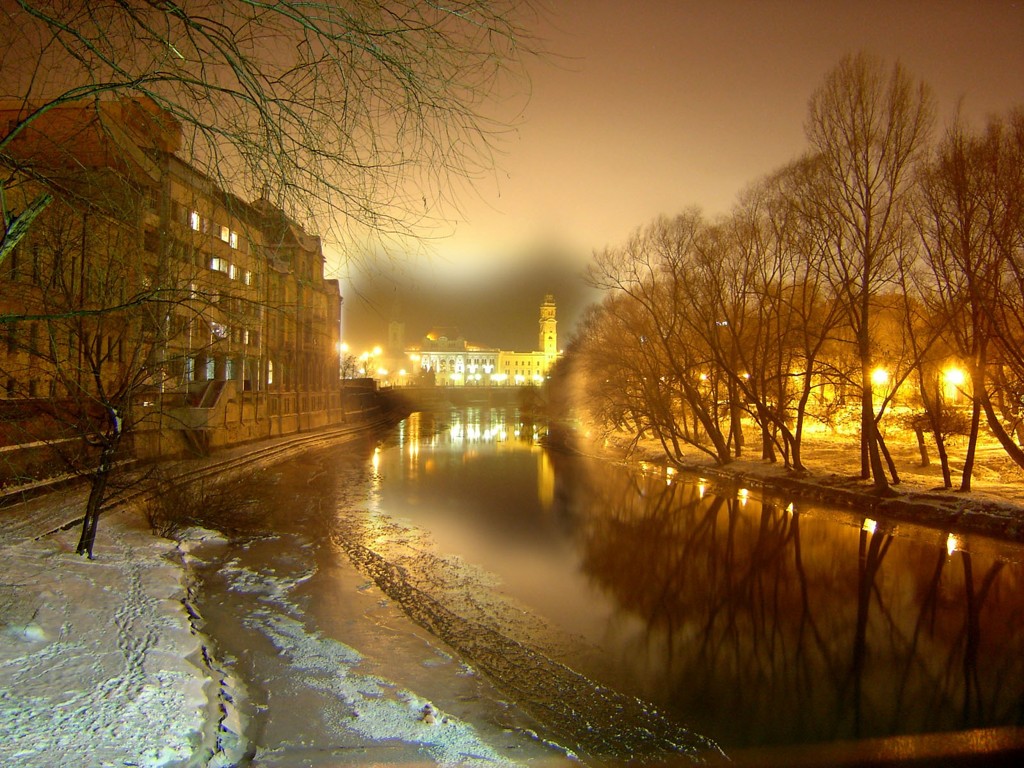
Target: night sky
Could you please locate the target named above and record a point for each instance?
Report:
(647, 108)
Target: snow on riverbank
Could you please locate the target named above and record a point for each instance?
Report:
(98, 663)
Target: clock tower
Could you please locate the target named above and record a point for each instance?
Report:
(548, 342)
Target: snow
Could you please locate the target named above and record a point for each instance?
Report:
(98, 661)
(371, 706)
(101, 663)
(994, 507)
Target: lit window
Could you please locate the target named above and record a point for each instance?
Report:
(233, 239)
(225, 234)
(247, 277)
(193, 220)
(232, 271)
(220, 265)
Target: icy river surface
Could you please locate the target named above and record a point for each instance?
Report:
(457, 593)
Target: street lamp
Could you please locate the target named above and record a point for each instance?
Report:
(953, 379)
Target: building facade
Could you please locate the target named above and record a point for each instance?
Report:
(445, 358)
(144, 286)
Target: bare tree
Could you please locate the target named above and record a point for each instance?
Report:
(1004, 208)
(360, 113)
(654, 272)
(869, 127)
(971, 228)
(772, 309)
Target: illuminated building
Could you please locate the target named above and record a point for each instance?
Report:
(447, 359)
(239, 327)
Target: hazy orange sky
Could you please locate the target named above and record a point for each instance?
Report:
(652, 106)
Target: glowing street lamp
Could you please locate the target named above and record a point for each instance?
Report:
(953, 380)
(954, 376)
(879, 377)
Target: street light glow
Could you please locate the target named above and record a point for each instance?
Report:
(879, 377)
(954, 376)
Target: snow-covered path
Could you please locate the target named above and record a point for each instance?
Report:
(98, 663)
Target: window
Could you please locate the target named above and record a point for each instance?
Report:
(247, 277)
(225, 234)
(233, 240)
(193, 220)
(220, 265)
(232, 271)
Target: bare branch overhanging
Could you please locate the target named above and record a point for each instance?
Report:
(358, 114)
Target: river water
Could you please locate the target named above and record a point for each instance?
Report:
(543, 605)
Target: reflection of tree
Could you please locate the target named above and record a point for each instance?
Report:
(973, 693)
(871, 553)
(786, 627)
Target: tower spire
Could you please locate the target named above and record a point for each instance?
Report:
(548, 339)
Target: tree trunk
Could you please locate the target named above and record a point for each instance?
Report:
(888, 458)
(871, 463)
(922, 446)
(92, 509)
(940, 447)
(97, 492)
(972, 447)
(1013, 450)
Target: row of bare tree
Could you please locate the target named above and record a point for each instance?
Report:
(878, 249)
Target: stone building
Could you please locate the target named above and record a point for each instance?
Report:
(445, 358)
(147, 284)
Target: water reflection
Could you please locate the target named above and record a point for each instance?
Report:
(765, 624)
(753, 621)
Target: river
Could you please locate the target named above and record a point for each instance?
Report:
(545, 605)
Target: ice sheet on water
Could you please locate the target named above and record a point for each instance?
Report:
(267, 586)
(371, 706)
(319, 695)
